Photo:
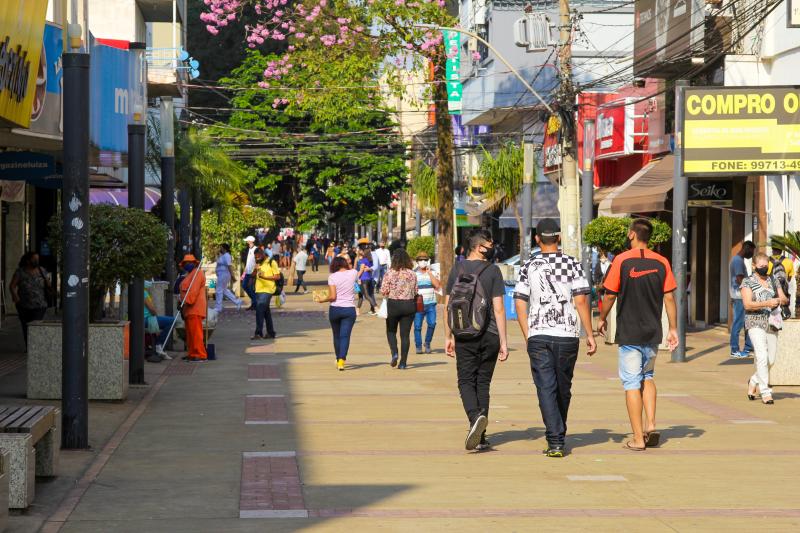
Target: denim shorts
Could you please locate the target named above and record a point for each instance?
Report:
(636, 364)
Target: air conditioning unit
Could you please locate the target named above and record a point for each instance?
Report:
(533, 32)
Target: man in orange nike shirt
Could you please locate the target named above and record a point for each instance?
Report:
(641, 283)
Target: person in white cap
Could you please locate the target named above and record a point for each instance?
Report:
(249, 280)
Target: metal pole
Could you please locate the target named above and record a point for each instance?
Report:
(197, 211)
(680, 235)
(418, 216)
(185, 224)
(587, 193)
(136, 150)
(527, 201)
(168, 195)
(75, 265)
(380, 226)
(403, 203)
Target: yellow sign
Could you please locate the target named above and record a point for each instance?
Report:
(21, 31)
(741, 130)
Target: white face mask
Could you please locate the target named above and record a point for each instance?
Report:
(422, 264)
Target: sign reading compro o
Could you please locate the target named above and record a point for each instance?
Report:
(741, 130)
(21, 30)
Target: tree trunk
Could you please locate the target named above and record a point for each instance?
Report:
(444, 168)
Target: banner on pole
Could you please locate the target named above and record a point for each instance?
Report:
(452, 45)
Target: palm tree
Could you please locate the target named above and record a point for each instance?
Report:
(425, 187)
(788, 243)
(502, 177)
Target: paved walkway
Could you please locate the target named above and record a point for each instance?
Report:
(272, 438)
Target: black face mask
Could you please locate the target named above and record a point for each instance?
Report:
(488, 253)
(627, 245)
(762, 271)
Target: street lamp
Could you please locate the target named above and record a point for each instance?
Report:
(168, 192)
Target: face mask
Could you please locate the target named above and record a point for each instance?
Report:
(488, 253)
(627, 245)
(762, 271)
(604, 259)
(423, 263)
(35, 263)
(188, 267)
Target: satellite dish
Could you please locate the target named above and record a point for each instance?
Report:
(195, 73)
(183, 55)
(195, 64)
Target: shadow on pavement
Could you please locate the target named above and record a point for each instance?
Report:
(596, 436)
(681, 432)
(505, 437)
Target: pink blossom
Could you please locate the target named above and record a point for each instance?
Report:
(212, 29)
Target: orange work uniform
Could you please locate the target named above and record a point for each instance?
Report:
(195, 308)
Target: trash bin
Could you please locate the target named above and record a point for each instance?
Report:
(508, 301)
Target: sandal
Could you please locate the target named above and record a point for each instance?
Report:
(652, 439)
(633, 448)
(750, 397)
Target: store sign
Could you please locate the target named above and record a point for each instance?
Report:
(615, 130)
(551, 146)
(710, 194)
(34, 168)
(46, 114)
(741, 130)
(455, 91)
(21, 29)
(664, 30)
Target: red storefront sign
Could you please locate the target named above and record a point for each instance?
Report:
(551, 146)
(615, 126)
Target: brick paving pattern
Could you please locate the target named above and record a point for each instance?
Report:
(271, 486)
(259, 372)
(265, 409)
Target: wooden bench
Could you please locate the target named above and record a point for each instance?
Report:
(31, 435)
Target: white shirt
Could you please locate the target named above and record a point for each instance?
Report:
(384, 257)
(250, 265)
(300, 260)
(376, 260)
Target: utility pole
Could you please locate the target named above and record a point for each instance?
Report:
(568, 189)
(185, 225)
(403, 202)
(527, 200)
(136, 158)
(75, 230)
(680, 235)
(380, 225)
(587, 193)
(197, 212)
(168, 194)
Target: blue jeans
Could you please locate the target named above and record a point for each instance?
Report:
(248, 284)
(637, 363)
(552, 365)
(737, 326)
(263, 314)
(164, 322)
(429, 315)
(342, 321)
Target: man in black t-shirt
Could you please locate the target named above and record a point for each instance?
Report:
(476, 358)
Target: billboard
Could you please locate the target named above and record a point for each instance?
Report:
(46, 116)
(664, 33)
(614, 130)
(21, 29)
(741, 130)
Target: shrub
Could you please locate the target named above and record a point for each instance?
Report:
(609, 233)
(418, 244)
(124, 244)
(231, 226)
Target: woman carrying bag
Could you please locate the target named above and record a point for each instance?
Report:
(399, 287)
(342, 312)
(762, 298)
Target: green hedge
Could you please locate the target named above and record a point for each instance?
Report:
(609, 233)
(417, 244)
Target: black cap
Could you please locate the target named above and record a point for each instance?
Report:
(547, 227)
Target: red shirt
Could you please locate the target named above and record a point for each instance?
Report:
(639, 278)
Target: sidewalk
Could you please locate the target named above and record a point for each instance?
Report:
(272, 438)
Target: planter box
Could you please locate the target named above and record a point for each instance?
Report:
(158, 293)
(786, 370)
(108, 360)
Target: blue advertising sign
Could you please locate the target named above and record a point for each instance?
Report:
(37, 169)
(46, 117)
(112, 86)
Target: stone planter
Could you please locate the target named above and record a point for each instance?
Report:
(786, 370)
(108, 360)
(158, 293)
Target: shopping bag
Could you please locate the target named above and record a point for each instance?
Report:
(383, 310)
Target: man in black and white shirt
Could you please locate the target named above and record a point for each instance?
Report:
(551, 293)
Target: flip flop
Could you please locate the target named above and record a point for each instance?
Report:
(652, 439)
(633, 448)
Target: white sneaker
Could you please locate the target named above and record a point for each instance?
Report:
(160, 351)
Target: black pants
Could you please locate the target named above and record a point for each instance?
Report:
(26, 316)
(299, 281)
(400, 313)
(368, 292)
(475, 362)
(552, 365)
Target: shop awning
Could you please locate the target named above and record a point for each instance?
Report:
(644, 192)
(601, 193)
(545, 205)
(120, 197)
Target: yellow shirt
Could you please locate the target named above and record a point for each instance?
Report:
(787, 263)
(267, 268)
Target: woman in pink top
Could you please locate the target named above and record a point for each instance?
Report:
(342, 312)
(399, 286)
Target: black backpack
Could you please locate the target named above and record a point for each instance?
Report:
(280, 282)
(469, 306)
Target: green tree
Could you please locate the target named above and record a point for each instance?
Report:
(425, 187)
(609, 233)
(502, 177)
(417, 244)
(230, 226)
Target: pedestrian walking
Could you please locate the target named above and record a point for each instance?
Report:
(762, 298)
(300, 264)
(330, 253)
(29, 289)
(194, 308)
(427, 285)
(342, 311)
(738, 271)
(365, 281)
(384, 258)
(399, 287)
(641, 283)
(249, 279)
(551, 294)
(224, 271)
(475, 330)
(268, 273)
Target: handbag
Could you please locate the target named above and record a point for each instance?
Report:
(776, 315)
(420, 301)
(383, 309)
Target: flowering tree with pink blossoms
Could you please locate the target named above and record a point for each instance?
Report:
(339, 52)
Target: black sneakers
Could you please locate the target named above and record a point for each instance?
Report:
(554, 451)
(476, 432)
